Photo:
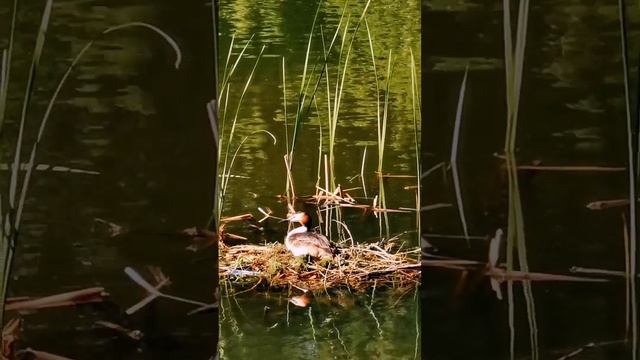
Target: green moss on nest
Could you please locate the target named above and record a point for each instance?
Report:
(274, 267)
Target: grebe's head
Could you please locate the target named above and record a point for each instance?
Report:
(301, 217)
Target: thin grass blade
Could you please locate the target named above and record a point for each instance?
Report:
(35, 61)
(631, 179)
(454, 155)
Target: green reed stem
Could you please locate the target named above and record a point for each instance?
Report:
(632, 180)
(226, 169)
(6, 66)
(454, 155)
(514, 63)
(415, 100)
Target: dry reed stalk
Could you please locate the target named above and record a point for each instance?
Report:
(570, 168)
(290, 200)
(69, 298)
(41, 355)
(450, 236)
(132, 334)
(591, 345)
(501, 274)
(396, 176)
(436, 206)
(606, 204)
(243, 217)
(10, 334)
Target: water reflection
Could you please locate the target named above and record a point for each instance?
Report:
(343, 327)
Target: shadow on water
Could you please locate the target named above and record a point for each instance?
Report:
(571, 150)
(129, 115)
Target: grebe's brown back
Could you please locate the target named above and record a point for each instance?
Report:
(302, 241)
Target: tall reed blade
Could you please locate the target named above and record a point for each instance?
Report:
(284, 104)
(214, 23)
(303, 83)
(226, 168)
(514, 63)
(375, 75)
(11, 236)
(35, 61)
(523, 16)
(508, 66)
(169, 40)
(4, 81)
(6, 66)
(212, 114)
(228, 73)
(632, 180)
(508, 61)
(454, 155)
(362, 178)
(6, 253)
(629, 281)
(415, 100)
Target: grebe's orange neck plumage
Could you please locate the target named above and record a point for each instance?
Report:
(303, 218)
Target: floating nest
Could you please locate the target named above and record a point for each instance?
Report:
(359, 267)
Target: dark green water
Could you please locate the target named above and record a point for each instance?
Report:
(127, 113)
(382, 327)
(571, 113)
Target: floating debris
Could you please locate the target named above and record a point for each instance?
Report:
(207, 308)
(160, 278)
(47, 167)
(537, 166)
(113, 228)
(204, 309)
(397, 176)
(41, 355)
(154, 292)
(571, 168)
(606, 204)
(592, 345)
(201, 238)
(494, 254)
(10, 334)
(435, 206)
(243, 217)
(594, 271)
(133, 334)
(500, 274)
(89, 295)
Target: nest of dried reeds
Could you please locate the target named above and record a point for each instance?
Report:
(358, 267)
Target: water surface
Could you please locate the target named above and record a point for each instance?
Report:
(571, 113)
(128, 114)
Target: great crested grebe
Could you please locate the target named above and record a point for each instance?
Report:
(302, 241)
